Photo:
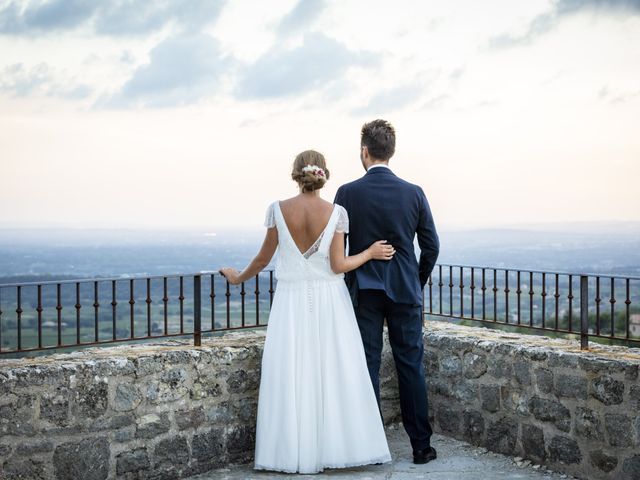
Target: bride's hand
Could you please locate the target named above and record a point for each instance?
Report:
(381, 250)
(231, 274)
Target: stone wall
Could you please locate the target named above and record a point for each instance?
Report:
(537, 398)
(170, 410)
(136, 412)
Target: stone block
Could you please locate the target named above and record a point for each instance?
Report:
(438, 386)
(533, 442)
(450, 365)
(607, 390)
(189, 418)
(631, 468)
(220, 414)
(112, 422)
(544, 380)
(474, 366)
(600, 365)
(602, 461)
(205, 388)
(172, 386)
(210, 446)
(148, 365)
(490, 395)
(514, 399)
(132, 461)
(91, 399)
(171, 453)
(174, 377)
(634, 398)
(473, 425)
(448, 418)
(571, 386)
(16, 418)
(33, 447)
(537, 354)
(522, 372)
(564, 450)
(560, 359)
(5, 450)
(502, 436)
(240, 443)
(246, 409)
(86, 460)
(152, 425)
(54, 406)
(551, 411)
(431, 361)
(127, 397)
(241, 381)
(20, 468)
(619, 429)
(464, 391)
(501, 367)
(587, 424)
(125, 435)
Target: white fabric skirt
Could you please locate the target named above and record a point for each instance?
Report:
(317, 408)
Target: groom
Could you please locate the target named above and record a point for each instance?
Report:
(383, 206)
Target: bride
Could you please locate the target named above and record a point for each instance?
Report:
(316, 408)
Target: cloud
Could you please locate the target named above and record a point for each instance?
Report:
(391, 99)
(300, 17)
(436, 102)
(547, 21)
(537, 27)
(456, 74)
(319, 61)
(182, 70)
(107, 17)
(20, 81)
(605, 95)
(625, 97)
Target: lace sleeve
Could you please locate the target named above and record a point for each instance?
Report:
(343, 220)
(270, 218)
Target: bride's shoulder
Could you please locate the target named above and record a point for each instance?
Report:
(270, 215)
(341, 209)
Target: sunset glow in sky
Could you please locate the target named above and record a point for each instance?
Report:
(189, 113)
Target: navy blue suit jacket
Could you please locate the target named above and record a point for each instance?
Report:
(382, 206)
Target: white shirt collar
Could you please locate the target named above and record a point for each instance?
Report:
(378, 165)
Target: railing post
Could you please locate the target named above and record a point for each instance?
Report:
(197, 310)
(584, 312)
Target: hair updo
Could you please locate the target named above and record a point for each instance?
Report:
(310, 180)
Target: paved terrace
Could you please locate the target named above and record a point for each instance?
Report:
(456, 461)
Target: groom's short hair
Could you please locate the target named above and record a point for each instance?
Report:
(379, 137)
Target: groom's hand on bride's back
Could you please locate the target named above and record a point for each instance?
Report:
(381, 250)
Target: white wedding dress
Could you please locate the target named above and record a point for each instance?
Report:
(317, 408)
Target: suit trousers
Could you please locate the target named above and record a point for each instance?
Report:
(404, 323)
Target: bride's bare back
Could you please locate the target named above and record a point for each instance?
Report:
(306, 217)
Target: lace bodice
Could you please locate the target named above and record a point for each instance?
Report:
(291, 264)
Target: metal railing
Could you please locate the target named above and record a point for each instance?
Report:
(99, 311)
(41, 316)
(563, 303)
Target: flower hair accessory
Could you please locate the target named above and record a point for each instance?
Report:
(316, 170)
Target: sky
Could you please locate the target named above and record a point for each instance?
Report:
(145, 114)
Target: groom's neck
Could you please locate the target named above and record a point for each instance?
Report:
(371, 163)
